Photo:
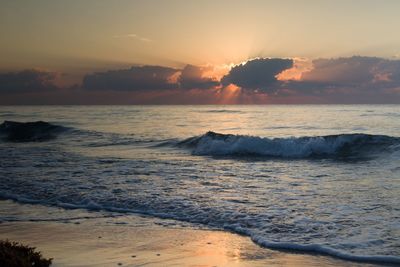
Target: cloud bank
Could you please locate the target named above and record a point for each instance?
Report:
(140, 78)
(27, 81)
(150, 78)
(354, 79)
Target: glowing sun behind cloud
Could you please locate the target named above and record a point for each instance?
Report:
(300, 65)
(228, 95)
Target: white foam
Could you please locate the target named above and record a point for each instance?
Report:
(215, 144)
(321, 249)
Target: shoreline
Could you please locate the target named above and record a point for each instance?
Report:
(135, 240)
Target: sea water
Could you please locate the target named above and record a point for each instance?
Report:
(322, 179)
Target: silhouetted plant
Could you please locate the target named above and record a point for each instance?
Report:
(13, 254)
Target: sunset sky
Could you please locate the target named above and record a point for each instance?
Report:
(199, 52)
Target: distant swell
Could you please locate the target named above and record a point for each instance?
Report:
(222, 111)
(341, 145)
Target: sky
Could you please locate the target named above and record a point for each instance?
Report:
(199, 52)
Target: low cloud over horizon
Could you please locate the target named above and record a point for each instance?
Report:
(356, 79)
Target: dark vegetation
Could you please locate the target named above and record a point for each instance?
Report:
(13, 254)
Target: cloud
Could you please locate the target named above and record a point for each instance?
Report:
(352, 80)
(257, 74)
(349, 71)
(140, 78)
(193, 77)
(145, 78)
(27, 81)
(134, 36)
(258, 81)
(357, 71)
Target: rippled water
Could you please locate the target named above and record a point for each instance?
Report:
(313, 178)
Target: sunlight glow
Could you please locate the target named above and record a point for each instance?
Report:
(229, 94)
(295, 73)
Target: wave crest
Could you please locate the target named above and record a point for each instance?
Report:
(14, 131)
(341, 145)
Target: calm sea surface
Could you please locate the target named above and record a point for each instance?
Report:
(314, 178)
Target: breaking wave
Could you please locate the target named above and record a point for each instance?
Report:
(340, 145)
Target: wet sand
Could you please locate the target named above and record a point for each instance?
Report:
(142, 241)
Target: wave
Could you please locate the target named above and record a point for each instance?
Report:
(40, 131)
(221, 111)
(325, 250)
(14, 131)
(321, 249)
(341, 145)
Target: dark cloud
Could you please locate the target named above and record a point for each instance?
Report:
(257, 73)
(27, 81)
(192, 77)
(145, 78)
(140, 78)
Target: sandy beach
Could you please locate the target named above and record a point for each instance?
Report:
(85, 239)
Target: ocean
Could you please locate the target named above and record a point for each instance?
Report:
(309, 178)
